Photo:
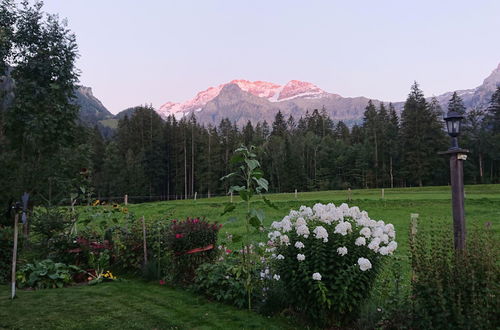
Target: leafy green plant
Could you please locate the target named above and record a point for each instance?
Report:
(191, 242)
(222, 281)
(252, 182)
(455, 289)
(45, 274)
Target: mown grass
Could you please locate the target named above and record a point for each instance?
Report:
(130, 304)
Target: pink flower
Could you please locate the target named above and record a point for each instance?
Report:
(178, 235)
(228, 251)
(196, 220)
(162, 282)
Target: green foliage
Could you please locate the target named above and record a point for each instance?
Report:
(252, 178)
(455, 289)
(222, 281)
(45, 274)
(191, 243)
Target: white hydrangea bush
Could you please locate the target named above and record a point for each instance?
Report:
(327, 257)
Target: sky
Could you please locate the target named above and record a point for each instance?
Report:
(152, 51)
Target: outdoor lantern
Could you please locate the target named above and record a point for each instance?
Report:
(453, 120)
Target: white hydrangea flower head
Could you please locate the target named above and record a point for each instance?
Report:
(301, 257)
(364, 264)
(280, 257)
(303, 231)
(276, 277)
(299, 245)
(366, 232)
(360, 241)
(343, 228)
(316, 276)
(321, 233)
(286, 224)
(284, 239)
(300, 222)
(342, 251)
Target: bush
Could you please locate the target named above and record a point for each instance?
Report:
(222, 281)
(328, 257)
(455, 289)
(191, 242)
(45, 274)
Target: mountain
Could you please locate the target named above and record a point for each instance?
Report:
(478, 97)
(92, 110)
(243, 100)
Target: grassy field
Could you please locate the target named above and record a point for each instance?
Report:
(136, 305)
(433, 204)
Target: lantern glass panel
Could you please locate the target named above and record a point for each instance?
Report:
(449, 126)
(456, 126)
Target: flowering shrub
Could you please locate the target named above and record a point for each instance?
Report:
(191, 242)
(327, 258)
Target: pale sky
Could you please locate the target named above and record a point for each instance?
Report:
(137, 52)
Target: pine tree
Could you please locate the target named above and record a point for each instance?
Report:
(456, 104)
(422, 137)
(279, 125)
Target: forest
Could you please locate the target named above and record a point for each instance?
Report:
(47, 151)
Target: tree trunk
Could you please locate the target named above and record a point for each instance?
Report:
(390, 172)
(192, 159)
(185, 170)
(480, 168)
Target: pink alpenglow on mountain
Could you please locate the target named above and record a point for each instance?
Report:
(263, 89)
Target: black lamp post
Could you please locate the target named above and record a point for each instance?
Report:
(457, 156)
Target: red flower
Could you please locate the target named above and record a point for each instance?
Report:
(162, 282)
(228, 251)
(196, 220)
(178, 235)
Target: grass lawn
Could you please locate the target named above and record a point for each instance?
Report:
(130, 304)
(137, 305)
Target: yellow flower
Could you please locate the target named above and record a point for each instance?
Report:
(96, 202)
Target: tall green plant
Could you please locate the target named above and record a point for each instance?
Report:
(455, 290)
(251, 178)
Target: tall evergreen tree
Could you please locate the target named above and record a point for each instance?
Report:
(422, 137)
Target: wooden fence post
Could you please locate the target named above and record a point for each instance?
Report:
(14, 257)
(349, 196)
(231, 196)
(195, 194)
(295, 193)
(144, 239)
(383, 193)
(125, 199)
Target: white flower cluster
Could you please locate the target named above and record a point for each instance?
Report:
(376, 235)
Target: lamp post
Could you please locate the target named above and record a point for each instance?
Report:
(457, 156)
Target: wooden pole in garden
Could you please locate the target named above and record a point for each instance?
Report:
(383, 193)
(295, 193)
(14, 256)
(144, 239)
(349, 198)
(457, 198)
(457, 157)
(126, 200)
